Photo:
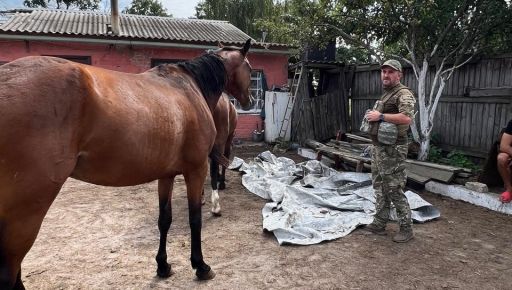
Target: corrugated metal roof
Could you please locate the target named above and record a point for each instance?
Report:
(89, 23)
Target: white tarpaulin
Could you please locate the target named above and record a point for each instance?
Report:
(311, 203)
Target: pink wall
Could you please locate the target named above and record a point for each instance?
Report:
(137, 59)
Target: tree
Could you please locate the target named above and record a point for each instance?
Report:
(63, 4)
(437, 34)
(429, 35)
(241, 13)
(146, 7)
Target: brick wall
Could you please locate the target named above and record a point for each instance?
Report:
(247, 123)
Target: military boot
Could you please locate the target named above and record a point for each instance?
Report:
(404, 235)
(375, 229)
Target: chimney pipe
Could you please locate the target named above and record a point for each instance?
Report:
(114, 17)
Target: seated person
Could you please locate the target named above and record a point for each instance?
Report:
(505, 163)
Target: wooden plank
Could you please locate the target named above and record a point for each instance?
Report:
(478, 68)
(507, 73)
(440, 175)
(417, 178)
(488, 74)
(443, 128)
(473, 134)
(459, 136)
(496, 64)
(435, 166)
(496, 126)
(455, 99)
(479, 134)
(455, 83)
(313, 144)
(358, 138)
(483, 125)
(466, 109)
(467, 76)
(491, 92)
(489, 130)
(472, 72)
(453, 123)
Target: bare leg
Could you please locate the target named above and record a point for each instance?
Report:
(504, 169)
(164, 223)
(195, 180)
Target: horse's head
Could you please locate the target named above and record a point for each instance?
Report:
(238, 71)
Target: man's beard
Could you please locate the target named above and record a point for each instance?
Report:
(389, 84)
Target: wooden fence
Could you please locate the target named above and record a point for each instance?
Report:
(475, 105)
(319, 115)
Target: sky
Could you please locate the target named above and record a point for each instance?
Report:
(178, 8)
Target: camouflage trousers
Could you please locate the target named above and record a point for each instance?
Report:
(388, 177)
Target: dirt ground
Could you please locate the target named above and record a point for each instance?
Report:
(97, 237)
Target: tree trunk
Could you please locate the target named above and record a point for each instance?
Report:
(427, 107)
(424, 149)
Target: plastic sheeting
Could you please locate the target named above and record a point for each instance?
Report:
(311, 203)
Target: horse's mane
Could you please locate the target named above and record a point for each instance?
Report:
(209, 72)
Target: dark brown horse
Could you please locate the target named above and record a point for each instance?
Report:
(225, 118)
(60, 119)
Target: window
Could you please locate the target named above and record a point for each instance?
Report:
(257, 91)
(75, 58)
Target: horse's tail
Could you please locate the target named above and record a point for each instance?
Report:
(218, 156)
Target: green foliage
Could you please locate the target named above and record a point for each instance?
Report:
(453, 158)
(458, 159)
(63, 4)
(435, 154)
(146, 7)
(394, 27)
(241, 13)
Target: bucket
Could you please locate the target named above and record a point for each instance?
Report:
(257, 136)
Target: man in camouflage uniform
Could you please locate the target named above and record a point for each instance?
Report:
(396, 106)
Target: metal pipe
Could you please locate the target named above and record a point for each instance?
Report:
(114, 16)
(131, 42)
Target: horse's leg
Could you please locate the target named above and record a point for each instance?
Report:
(194, 178)
(20, 225)
(227, 153)
(222, 178)
(164, 223)
(214, 176)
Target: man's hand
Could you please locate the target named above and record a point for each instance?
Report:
(373, 116)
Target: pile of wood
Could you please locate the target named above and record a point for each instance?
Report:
(354, 156)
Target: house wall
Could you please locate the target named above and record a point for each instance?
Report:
(136, 59)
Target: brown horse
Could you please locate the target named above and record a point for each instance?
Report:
(60, 119)
(225, 118)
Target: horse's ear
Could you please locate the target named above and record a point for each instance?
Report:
(220, 45)
(246, 47)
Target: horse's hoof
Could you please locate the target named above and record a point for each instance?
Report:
(201, 275)
(216, 213)
(164, 272)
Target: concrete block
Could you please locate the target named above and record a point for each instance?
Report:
(459, 192)
(477, 186)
